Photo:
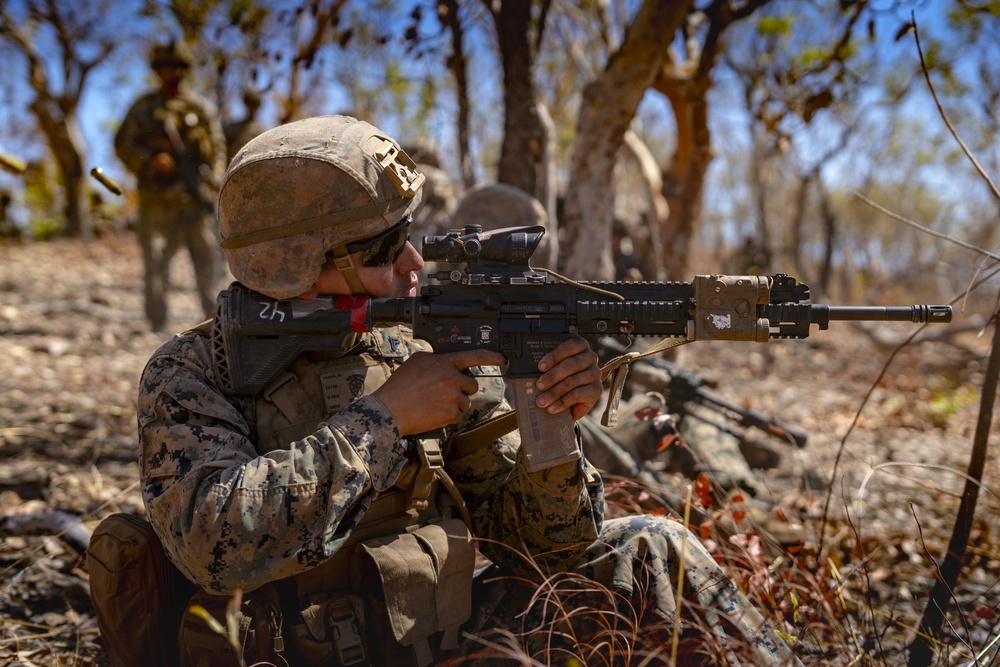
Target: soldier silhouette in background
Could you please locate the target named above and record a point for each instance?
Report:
(171, 139)
(238, 133)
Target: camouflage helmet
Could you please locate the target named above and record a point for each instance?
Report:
(300, 190)
(174, 53)
(498, 205)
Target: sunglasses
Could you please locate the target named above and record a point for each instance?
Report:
(384, 249)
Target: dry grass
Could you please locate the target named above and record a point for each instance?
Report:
(74, 343)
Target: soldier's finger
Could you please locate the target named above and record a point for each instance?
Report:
(583, 364)
(577, 389)
(471, 358)
(571, 347)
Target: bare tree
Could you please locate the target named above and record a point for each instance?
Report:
(606, 111)
(457, 62)
(62, 44)
(685, 80)
(522, 156)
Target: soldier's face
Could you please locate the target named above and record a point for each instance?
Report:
(396, 280)
(171, 77)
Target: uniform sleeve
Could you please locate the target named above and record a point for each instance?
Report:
(549, 516)
(230, 518)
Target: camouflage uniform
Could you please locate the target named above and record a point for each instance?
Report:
(234, 513)
(294, 484)
(175, 210)
(703, 446)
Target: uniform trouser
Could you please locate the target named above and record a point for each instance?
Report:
(164, 227)
(636, 562)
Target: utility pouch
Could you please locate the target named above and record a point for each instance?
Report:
(332, 632)
(138, 594)
(258, 623)
(416, 584)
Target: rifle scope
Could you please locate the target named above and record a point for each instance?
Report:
(509, 247)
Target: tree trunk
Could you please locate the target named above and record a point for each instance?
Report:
(686, 84)
(547, 183)
(659, 211)
(684, 180)
(829, 215)
(521, 157)
(606, 111)
(66, 141)
(458, 64)
(798, 222)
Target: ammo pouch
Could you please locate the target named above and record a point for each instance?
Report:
(415, 584)
(332, 632)
(257, 623)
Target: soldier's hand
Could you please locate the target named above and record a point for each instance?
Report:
(430, 390)
(162, 164)
(571, 379)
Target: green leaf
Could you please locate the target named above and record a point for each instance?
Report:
(213, 624)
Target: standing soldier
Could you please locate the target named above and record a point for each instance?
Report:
(172, 141)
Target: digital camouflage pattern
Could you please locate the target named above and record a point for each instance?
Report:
(232, 516)
(175, 211)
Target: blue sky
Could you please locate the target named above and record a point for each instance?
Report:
(117, 83)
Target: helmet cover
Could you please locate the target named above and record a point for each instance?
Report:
(299, 190)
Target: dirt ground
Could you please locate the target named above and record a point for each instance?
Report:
(73, 341)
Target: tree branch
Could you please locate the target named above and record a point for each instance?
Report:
(944, 116)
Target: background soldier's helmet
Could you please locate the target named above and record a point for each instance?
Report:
(174, 53)
(298, 191)
(499, 205)
(496, 206)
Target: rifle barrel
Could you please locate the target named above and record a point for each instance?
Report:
(919, 313)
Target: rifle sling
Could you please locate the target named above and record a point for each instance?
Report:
(493, 428)
(617, 368)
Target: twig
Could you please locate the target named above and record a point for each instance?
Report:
(937, 568)
(951, 239)
(921, 650)
(944, 116)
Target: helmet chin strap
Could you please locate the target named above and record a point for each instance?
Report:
(342, 260)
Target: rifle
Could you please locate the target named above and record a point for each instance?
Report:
(682, 386)
(492, 298)
(186, 167)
